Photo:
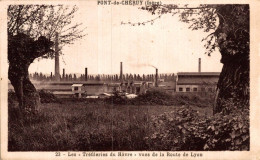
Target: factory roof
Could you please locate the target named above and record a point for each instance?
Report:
(198, 73)
(196, 78)
(71, 83)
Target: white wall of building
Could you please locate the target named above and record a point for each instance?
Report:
(194, 87)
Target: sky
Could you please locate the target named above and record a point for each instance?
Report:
(167, 44)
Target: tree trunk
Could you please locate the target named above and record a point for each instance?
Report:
(22, 51)
(233, 85)
(26, 93)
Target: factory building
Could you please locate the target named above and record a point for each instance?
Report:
(197, 81)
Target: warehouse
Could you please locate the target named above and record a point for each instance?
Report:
(197, 81)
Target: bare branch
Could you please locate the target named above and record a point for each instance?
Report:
(45, 20)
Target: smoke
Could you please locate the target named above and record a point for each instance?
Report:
(153, 66)
(142, 65)
(133, 62)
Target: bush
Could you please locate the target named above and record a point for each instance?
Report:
(116, 99)
(184, 129)
(153, 97)
(196, 99)
(161, 97)
(47, 97)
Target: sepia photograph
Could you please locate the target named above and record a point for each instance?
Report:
(104, 78)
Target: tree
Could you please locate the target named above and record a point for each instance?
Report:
(31, 34)
(228, 27)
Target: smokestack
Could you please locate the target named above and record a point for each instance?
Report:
(121, 71)
(156, 77)
(63, 74)
(86, 74)
(199, 65)
(57, 61)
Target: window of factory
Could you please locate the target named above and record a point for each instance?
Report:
(202, 89)
(76, 88)
(180, 89)
(195, 89)
(188, 89)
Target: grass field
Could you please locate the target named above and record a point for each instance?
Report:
(85, 126)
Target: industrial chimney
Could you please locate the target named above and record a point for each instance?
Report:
(57, 61)
(121, 71)
(86, 74)
(156, 77)
(199, 65)
(63, 74)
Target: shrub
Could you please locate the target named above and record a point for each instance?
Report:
(153, 97)
(47, 97)
(161, 97)
(184, 129)
(116, 99)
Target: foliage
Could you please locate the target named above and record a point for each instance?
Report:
(161, 97)
(184, 129)
(154, 97)
(116, 98)
(45, 20)
(47, 97)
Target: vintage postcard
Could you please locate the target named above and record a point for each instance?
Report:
(129, 79)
